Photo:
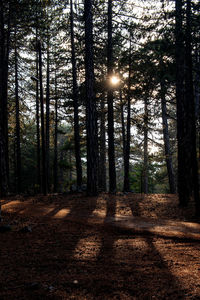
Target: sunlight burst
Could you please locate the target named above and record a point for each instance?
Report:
(114, 80)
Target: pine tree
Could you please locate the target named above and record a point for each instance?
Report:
(4, 55)
(190, 114)
(111, 147)
(91, 118)
(44, 171)
(75, 103)
(18, 147)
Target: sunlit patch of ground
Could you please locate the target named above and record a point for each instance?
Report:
(62, 213)
(88, 248)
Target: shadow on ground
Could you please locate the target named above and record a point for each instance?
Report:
(67, 258)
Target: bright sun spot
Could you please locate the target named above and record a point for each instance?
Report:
(114, 80)
(125, 75)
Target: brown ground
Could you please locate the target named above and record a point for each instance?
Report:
(109, 247)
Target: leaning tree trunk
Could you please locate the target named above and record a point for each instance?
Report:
(75, 103)
(91, 117)
(111, 147)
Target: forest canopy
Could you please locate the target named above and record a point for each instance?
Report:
(100, 96)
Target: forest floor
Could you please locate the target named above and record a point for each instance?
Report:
(107, 247)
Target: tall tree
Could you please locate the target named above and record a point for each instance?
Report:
(146, 160)
(102, 146)
(128, 130)
(183, 163)
(168, 154)
(38, 117)
(111, 147)
(47, 109)
(191, 120)
(75, 103)
(91, 118)
(4, 55)
(56, 139)
(44, 174)
(122, 125)
(18, 147)
(163, 92)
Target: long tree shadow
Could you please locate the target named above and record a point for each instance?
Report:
(105, 262)
(125, 266)
(79, 213)
(167, 281)
(125, 270)
(106, 251)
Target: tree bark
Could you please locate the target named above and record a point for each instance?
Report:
(102, 158)
(47, 113)
(111, 147)
(168, 154)
(145, 168)
(5, 97)
(44, 177)
(4, 52)
(56, 139)
(191, 120)
(38, 117)
(91, 117)
(197, 98)
(18, 147)
(123, 124)
(75, 103)
(183, 163)
(128, 129)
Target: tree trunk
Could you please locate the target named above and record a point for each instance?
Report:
(18, 147)
(197, 85)
(56, 139)
(145, 168)
(197, 98)
(102, 158)
(183, 163)
(44, 177)
(38, 118)
(75, 103)
(70, 164)
(47, 113)
(128, 129)
(123, 125)
(111, 147)
(3, 105)
(189, 94)
(168, 154)
(91, 118)
(5, 97)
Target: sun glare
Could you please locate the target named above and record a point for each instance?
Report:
(114, 80)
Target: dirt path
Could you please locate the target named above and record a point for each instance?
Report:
(110, 247)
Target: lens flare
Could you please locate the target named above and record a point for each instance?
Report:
(114, 80)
